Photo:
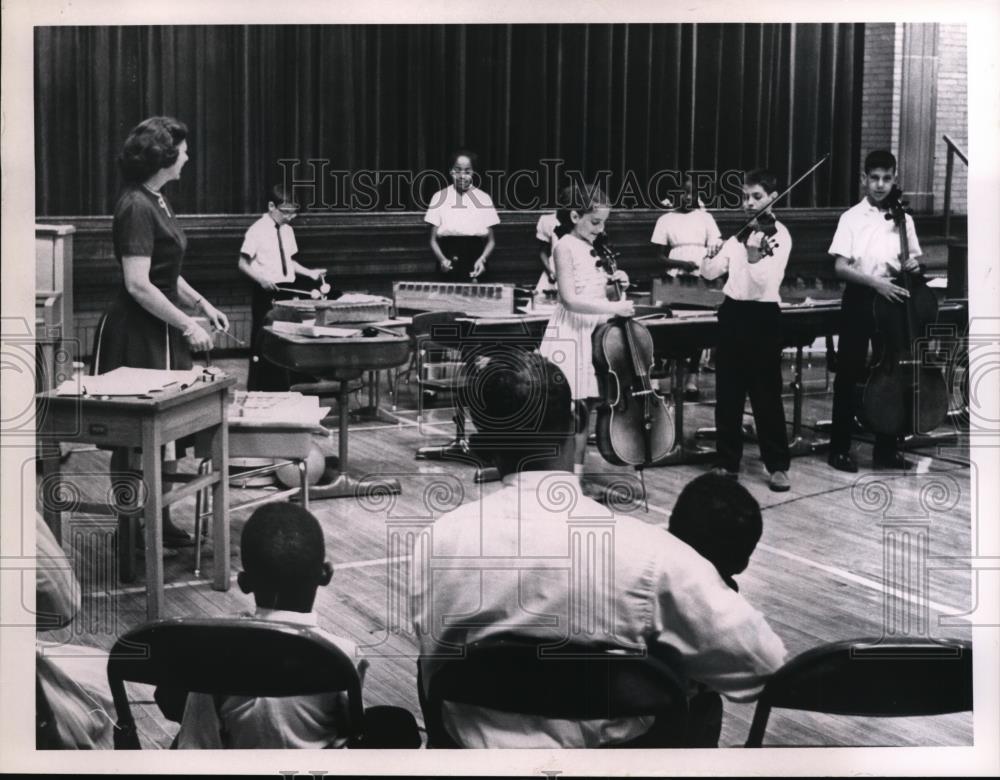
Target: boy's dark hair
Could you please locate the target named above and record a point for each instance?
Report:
(282, 548)
(880, 158)
(521, 405)
(280, 195)
(150, 147)
(767, 180)
(581, 198)
(719, 518)
(453, 158)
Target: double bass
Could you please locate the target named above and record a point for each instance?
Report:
(634, 424)
(903, 394)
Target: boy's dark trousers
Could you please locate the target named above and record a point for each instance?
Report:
(748, 361)
(857, 328)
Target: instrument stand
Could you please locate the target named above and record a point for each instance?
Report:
(682, 451)
(457, 447)
(342, 484)
(799, 445)
(372, 412)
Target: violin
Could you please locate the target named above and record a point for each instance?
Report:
(903, 394)
(763, 222)
(634, 423)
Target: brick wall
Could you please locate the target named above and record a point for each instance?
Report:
(880, 101)
(881, 86)
(952, 114)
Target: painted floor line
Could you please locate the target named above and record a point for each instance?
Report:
(833, 571)
(865, 582)
(857, 579)
(205, 581)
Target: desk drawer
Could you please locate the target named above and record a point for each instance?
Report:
(67, 419)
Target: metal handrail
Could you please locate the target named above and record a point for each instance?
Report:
(953, 150)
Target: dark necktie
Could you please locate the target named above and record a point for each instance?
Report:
(281, 249)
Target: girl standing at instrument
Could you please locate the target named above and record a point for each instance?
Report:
(145, 326)
(583, 302)
(687, 234)
(462, 217)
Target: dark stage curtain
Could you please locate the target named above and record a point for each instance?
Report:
(631, 100)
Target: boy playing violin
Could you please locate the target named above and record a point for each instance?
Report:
(866, 249)
(748, 358)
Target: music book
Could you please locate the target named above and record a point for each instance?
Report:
(129, 381)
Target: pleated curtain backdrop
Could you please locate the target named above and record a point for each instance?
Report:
(631, 100)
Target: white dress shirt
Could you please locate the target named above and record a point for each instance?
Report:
(312, 721)
(511, 563)
(760, 281)
(469, 213)
(870, 241)
(261, 245)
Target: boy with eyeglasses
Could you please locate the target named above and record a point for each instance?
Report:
(268, 258)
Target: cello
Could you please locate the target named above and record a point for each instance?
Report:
(903, 394)
(634, 424)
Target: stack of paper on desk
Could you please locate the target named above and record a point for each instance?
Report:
(129, 381)
(257, 408)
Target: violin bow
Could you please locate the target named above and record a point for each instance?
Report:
(791, 187)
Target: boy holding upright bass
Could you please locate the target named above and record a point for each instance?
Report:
(866, 250)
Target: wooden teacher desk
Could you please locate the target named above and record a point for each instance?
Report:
(145, 422)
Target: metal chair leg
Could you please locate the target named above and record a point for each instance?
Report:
(303, 482)
(201, 496)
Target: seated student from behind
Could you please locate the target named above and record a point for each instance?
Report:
(283, 554)
(661, 592)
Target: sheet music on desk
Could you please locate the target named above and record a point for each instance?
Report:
(126, 381)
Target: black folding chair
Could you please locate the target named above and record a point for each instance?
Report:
(871, 677)
(234, 657)
(522, 676)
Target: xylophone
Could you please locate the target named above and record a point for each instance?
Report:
(348, 308)
(686, 290)
(690, 292)
(473, 299)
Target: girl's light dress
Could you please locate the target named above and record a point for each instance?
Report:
(567, 341)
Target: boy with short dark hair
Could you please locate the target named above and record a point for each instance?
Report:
(866, 251)
(748, 357)
(283, 554)
(268, 258)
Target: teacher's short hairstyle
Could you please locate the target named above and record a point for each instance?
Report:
(150, 147)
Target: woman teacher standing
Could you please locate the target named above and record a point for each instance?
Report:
(145, 326)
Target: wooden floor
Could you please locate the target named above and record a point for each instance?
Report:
(817, 575)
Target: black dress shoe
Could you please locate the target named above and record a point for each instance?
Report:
(842, 461)
(895, 462)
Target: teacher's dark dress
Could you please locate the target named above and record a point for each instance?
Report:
(128, 335)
